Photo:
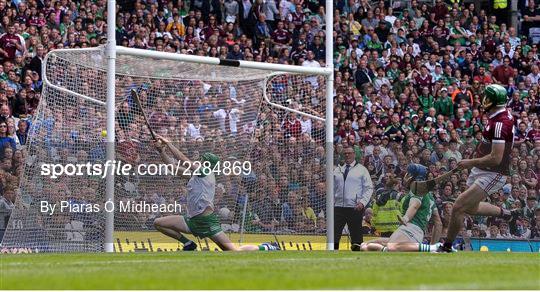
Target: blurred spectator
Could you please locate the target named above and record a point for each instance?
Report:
(386, 207)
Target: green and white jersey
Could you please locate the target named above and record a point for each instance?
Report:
(427, 207)
(201, 192)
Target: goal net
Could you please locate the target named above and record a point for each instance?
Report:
(265, 126)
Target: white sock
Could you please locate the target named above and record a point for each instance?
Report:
(434, 247)
(424, 247)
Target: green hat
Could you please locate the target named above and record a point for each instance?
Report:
(210, 157)
(495, 95)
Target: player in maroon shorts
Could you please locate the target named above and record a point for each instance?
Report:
(489, 168)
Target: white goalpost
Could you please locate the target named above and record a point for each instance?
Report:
(111, 117)
(86, 91)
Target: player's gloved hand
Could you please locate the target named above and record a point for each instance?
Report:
(159, 144)
(162, 139)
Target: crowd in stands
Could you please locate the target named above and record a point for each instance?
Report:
(409, 78)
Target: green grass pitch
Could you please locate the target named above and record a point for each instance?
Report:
(271, 270)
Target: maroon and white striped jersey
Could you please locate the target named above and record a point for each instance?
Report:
(500, 129)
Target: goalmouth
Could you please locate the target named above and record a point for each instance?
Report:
(98, 122)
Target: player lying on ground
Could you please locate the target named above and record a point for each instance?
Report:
(416, 214)
(489, 168)
(201, 220)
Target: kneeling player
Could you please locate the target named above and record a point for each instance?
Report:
(201, 220)
(416, 214)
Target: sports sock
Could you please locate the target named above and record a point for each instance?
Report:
(184, 240)
(267, 246)
(424, 247)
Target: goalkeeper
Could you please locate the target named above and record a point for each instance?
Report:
(201, 220)
(416, 214)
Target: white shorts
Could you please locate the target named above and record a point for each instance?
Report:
(489, 181)
(413, 232)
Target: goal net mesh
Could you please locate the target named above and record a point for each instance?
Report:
(201, 108)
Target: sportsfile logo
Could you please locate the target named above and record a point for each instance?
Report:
(119, 168)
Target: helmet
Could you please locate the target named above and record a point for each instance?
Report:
(494, 95)
(417, 171)
(210, 157)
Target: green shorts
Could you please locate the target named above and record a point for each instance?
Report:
(204, 225)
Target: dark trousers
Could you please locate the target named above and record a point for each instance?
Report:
(353, 219)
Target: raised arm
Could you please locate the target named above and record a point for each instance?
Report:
(161, 145)
(177, 154)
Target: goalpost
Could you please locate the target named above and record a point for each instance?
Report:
(246, 112)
